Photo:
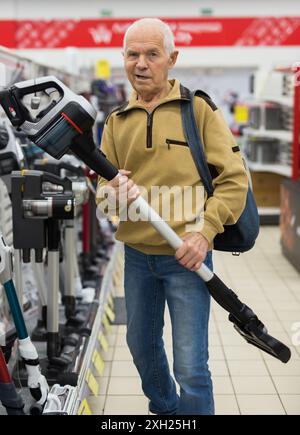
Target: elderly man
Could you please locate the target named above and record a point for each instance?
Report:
(144, 138)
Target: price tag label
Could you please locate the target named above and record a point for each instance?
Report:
(106, 323)
(111, 302)
(84, 408)
(103, 342)
(241, 113)
(98, 362)
(110, 314)
(102, 69)
(92, 383)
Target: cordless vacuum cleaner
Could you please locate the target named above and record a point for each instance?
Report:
(66, 125)
(36, 381)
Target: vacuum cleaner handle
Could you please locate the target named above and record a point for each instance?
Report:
(32, 86)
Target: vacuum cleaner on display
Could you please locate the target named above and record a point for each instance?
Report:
(36, 381)
(37, 216)
(65, 124)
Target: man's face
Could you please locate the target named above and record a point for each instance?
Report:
(146, 61)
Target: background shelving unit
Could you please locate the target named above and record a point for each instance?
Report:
(269, 141)
(272, 147)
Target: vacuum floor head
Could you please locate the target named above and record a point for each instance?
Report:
(255, 332)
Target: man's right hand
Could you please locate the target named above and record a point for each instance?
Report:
(125, 190)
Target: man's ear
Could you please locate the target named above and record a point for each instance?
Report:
(173, 59)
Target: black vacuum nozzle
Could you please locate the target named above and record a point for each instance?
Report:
(84, 147)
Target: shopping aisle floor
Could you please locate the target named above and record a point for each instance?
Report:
(246, 380)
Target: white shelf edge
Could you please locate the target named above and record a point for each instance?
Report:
(276, 134)
(265, 211)
(285, 101)
(284, 170)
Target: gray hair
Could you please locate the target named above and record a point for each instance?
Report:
(158, 24)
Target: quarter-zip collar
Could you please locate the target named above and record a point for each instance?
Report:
(177, 92)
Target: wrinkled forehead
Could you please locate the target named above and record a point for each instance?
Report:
(145, 38)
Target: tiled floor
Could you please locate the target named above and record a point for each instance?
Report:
(246, 380)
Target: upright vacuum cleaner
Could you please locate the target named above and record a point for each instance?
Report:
(66, 124)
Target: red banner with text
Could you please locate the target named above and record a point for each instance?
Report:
(189, 32)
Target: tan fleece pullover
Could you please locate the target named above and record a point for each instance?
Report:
(153, 147)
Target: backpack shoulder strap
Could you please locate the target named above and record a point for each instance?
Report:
(193, 139)
(201, 94)
(116, 109)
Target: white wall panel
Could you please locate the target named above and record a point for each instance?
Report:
(34, 9)
(8, 9)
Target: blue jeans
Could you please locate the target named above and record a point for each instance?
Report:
(150, 282)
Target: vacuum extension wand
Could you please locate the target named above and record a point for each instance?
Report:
(67, 125)
(36, 381)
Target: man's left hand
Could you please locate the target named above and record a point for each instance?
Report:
(193, 251)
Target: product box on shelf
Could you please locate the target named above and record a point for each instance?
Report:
(262, 150)
(266, 188)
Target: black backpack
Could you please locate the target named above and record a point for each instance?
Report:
(241, 236)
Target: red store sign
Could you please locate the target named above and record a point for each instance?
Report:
(189, 32)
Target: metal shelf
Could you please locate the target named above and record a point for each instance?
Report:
(81, 393)
(285, 101)
(262, 211)
(269, 215)
(284, 170)
(286, 136)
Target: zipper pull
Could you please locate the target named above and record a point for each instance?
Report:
(168, 142)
